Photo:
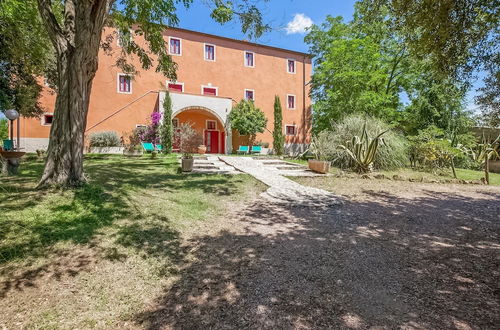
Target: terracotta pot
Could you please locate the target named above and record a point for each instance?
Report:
(202, 149)
(187, 164)
(319, 166)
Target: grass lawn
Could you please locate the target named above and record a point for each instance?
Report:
(93, 256)
(409, 173)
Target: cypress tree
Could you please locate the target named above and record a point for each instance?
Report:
(278, 137)
(166, 133)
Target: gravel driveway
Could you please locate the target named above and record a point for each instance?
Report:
(391, 255)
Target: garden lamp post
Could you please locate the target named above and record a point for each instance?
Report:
(13, 115)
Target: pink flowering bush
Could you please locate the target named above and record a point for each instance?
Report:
(152, 132)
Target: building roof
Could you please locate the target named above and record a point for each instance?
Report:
(241, 41)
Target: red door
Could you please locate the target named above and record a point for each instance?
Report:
(212, 141)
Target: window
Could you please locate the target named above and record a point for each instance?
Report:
(249, 94)
(291, 101)
(140, 126)
(211, 124)
(175, 122)
(209, 52)
(124, 84)
(249, 59)
(290, 66)
(175, 86)
(290, 130)
(208, 90)
(47, 119)
(175, 46)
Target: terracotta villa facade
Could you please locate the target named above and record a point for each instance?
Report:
(214, 73)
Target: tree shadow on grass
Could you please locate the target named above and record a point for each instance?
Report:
(32, 231)
(387, 261)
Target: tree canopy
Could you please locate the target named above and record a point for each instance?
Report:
(247, 119)
(365, 66)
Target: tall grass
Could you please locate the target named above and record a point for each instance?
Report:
(391, 154)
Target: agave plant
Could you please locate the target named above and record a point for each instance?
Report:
(363, 149)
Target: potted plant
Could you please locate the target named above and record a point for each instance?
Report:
(189, 141)
(202, 149)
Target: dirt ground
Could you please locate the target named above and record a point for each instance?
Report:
(391, 255)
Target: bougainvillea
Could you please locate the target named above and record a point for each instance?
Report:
(152, 133)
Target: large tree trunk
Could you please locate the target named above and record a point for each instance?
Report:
(77, 46)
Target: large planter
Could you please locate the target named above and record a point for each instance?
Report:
(319, 166)
(187, 164)
(107, 150)
(202, 149)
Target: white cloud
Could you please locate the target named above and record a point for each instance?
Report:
(299, 24)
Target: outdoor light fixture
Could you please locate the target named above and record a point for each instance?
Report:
(11, 114)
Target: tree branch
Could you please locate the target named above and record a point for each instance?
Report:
(54, 30)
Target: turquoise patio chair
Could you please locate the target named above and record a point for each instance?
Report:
(148, 147)
(8, 145)
(159, 147)
(242, 150)
(256, 149)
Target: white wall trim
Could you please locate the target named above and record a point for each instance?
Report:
(205, 49)
(294, 65)
(245, 59)
(210, 86)
(42, 120)
(245, 94)
(206, 125)
(175, 82)
(286, 130)
(118, 75)
(180, 45)
(294, 102)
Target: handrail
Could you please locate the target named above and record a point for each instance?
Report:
(119, 110)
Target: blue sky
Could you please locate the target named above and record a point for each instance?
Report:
(277, 13)
(287, 17)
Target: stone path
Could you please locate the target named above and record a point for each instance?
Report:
(281, 189)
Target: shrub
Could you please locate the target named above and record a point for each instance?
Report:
(105, 139)
(392, 152)
(247, 119)
(4, 129)
(430, 150)
(189, 139)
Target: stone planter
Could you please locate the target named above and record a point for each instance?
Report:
(319, 166)
(264, 151)
(187, 164)
(132, 153)
(107, 150)
(202, 149)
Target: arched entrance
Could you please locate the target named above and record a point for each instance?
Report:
(207, 124)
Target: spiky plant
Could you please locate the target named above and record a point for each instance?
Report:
(363, 150)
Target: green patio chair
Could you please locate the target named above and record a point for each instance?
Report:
(242, 150)
(148, 147)
(159, 147)
(256, 149)
(8, 145)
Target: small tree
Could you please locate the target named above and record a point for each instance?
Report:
(278, 137)
(4, 129)
(247, 119)
(151, 133)
(166, 129)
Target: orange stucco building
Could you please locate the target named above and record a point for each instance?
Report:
(214, 73)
